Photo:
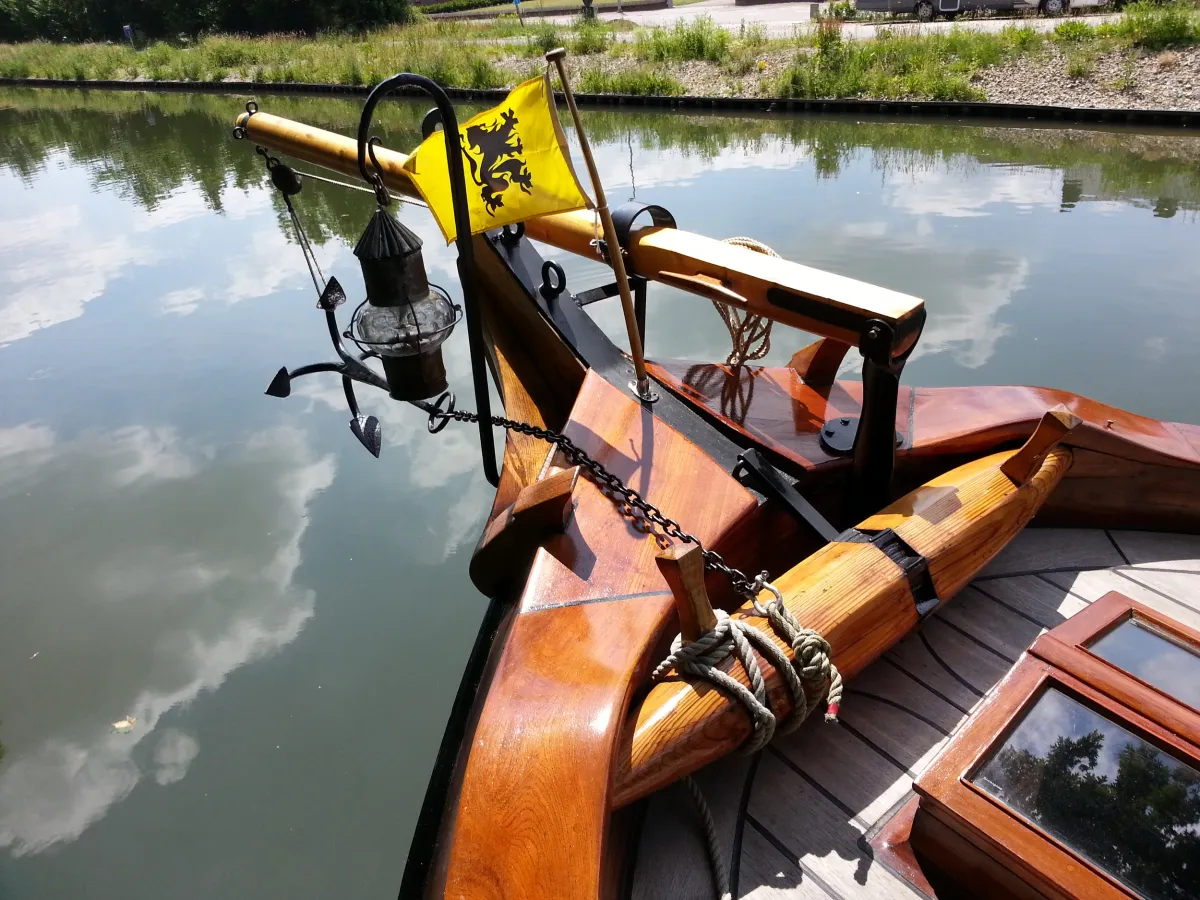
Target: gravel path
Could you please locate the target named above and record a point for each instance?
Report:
(1167, 80)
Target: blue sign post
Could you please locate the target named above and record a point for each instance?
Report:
(128, 29)
(517, 4)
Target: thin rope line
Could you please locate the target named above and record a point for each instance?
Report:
(356, 187)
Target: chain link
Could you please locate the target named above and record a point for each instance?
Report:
(631, 504)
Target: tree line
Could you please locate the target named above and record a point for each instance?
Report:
(103, 20)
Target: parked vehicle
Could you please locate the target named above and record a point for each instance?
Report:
(926, 10)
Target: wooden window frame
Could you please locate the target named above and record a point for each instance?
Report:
(1058, 659)
(1066, 648)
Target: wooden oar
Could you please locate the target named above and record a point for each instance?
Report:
(856, 596)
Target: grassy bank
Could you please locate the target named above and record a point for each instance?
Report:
(695, 58)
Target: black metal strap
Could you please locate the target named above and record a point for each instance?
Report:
(766, 479)
(913, 564)
(624, 215)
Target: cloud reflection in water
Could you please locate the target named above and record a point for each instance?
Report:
(181, 569)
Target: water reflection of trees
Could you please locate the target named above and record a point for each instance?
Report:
(1143, 825)
(149, 145)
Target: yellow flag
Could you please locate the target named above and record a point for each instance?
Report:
(515, 160)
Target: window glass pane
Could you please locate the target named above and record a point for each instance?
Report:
(1126, 806)
(1154, 658)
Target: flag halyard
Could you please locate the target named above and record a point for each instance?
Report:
(516, 163)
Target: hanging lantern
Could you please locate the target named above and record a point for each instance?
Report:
(405, 319)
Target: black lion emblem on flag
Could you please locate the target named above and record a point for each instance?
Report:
(494, 152)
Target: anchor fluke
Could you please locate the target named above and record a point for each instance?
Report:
(366, 429)
(281, 384)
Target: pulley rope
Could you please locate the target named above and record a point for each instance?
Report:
(749, 334)
(712, 841)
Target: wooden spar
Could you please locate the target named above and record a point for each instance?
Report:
(829, 305)
(855, 596)
(558, 57)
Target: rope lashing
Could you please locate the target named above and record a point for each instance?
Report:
(702, 657)
(749, 334)
(810, 651)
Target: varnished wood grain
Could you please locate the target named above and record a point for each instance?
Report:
(1129, 471)
(821, 302)
(1056, 424)
(885, 728)
(682, 567)
(960, 521)
(535, 793)
(851, 593)
(818, 363)
(512, 536)
(537, 375)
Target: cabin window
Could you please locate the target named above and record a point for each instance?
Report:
(1160, 660)
(1119, 802)
(1080, 777)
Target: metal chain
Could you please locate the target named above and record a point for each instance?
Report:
(630, 499)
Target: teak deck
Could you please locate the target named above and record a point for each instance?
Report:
(803, 807)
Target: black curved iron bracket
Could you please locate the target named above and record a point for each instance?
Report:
(462, 226)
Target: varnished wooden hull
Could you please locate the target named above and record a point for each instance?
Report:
(550, 763)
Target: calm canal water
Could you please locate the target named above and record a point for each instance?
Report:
(287, 618)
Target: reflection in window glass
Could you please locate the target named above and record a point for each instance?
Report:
(1126, 806)
(1154, 658)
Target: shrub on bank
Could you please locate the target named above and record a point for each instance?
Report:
(930, 66)
(701, 38)
(1157, 26)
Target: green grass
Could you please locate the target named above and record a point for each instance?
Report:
(701, 38)
(941, 66)
(499, 52)
(639, 82)
(1153, 26)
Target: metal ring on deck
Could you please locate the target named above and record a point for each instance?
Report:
(549, 289)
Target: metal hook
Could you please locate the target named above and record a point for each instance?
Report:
(381, 192)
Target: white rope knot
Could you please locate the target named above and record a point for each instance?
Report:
(702, 657)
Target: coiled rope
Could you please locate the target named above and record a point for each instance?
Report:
(702, 657)
(750, 334)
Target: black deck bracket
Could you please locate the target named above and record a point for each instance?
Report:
(913, 564)
(753, 471)
(637, 285)
(871, 436)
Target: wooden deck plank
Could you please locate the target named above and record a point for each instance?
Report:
(672, 835)
(768, 874)
(991, 623)
(848, 769)
(1183, 588)
(978, 667)
(1093, 585)
(912, 659)
(1164, 551)
(818, 835)
(898, 734)
(1033, 597)
(880, 681)
(1036, 549)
